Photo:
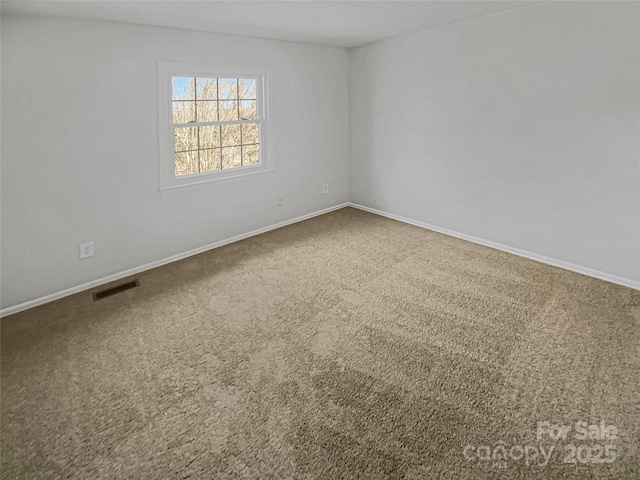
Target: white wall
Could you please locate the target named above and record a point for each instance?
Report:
(520, 128)
(80, 148)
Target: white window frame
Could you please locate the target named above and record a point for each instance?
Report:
(169, 181)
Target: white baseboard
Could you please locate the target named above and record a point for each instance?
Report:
(133, 271)
(515, 251)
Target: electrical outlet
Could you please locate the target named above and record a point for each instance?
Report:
(86, 250)
(325, 188)
(280, 201)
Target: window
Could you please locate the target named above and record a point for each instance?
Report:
(213, 124)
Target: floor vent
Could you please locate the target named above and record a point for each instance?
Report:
(117, 289)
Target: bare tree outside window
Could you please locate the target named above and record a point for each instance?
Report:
(215, 122)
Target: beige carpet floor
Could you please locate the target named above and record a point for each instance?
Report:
(346, 346)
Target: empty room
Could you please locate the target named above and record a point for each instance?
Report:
(320, 240)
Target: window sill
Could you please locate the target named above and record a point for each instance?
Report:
(214, 179)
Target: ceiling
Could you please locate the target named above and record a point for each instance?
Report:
(335, 23)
